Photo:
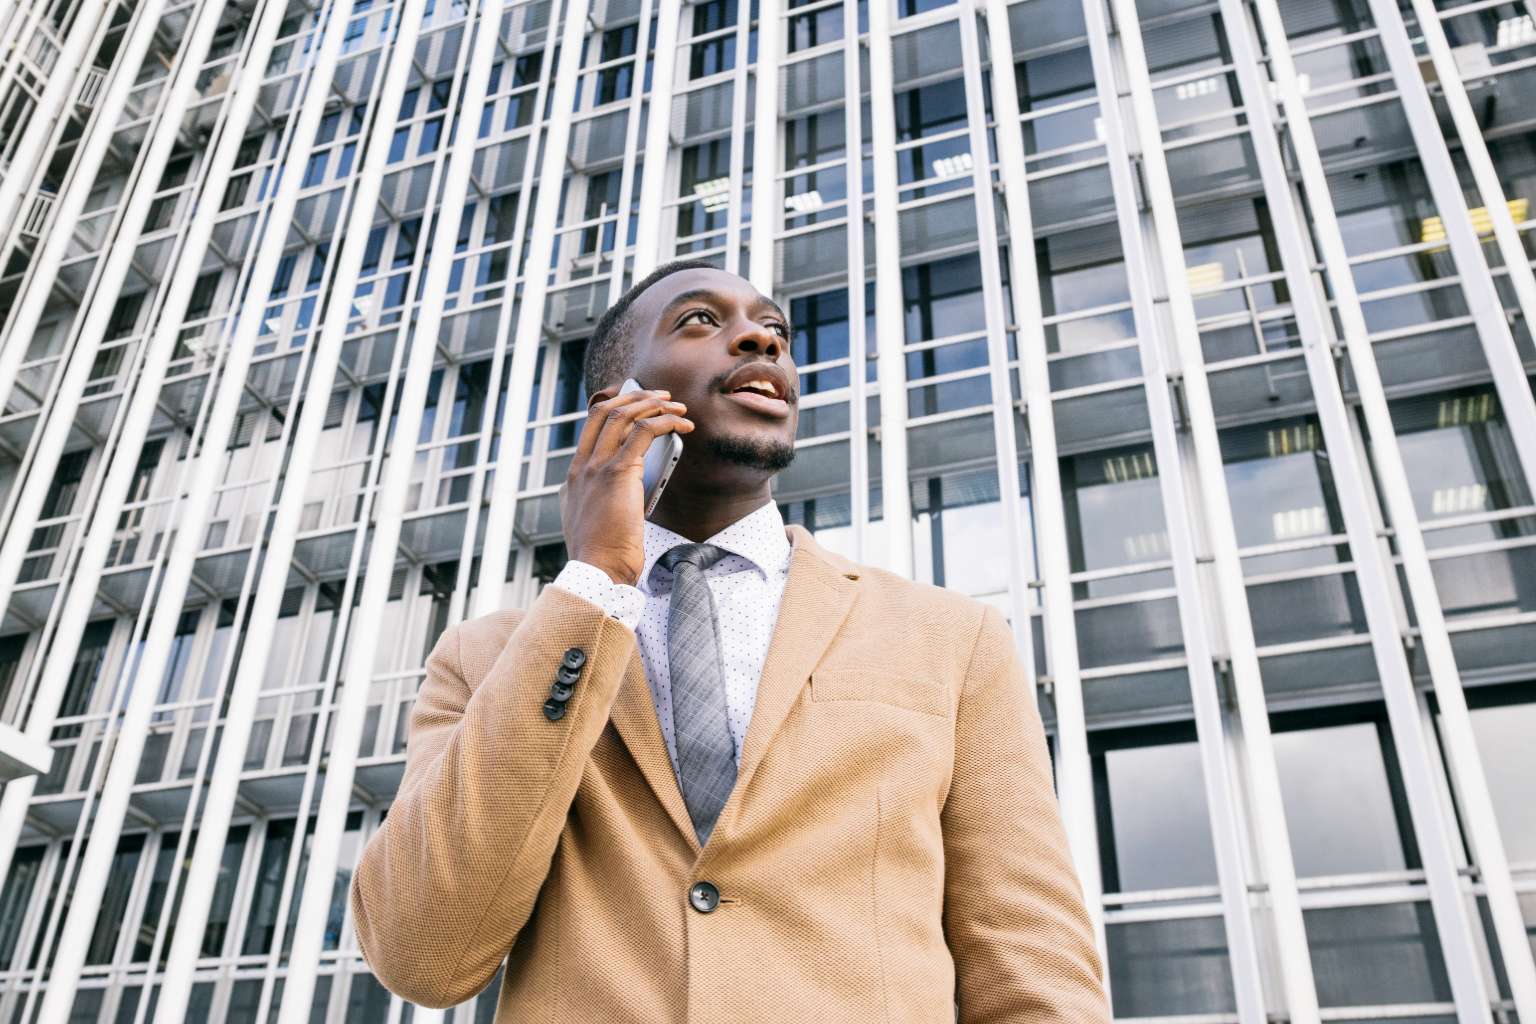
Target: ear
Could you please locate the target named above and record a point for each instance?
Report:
(602, 394)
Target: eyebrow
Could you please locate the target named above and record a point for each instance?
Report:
(712, 296)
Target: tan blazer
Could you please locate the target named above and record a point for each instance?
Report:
(892, 847)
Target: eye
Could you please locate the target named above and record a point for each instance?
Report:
(783, 329)
(696, 312)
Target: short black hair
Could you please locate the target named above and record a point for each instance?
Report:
(612, 350)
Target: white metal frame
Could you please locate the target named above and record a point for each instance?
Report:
(1161, 252)
(1464, 762)
(890, 362)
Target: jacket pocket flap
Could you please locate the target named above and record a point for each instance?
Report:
(881, 688)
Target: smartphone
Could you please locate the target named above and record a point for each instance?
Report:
(660, 459)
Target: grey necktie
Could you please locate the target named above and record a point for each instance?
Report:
(705, 749)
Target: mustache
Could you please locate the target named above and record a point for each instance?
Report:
(791, 394)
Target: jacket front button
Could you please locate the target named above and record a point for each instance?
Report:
(704, 897)
(574, 658)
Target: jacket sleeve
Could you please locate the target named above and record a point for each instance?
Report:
(443, 887)
(1014, 916)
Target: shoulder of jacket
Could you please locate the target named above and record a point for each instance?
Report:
(914, 597)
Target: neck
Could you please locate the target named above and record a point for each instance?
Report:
(699, 516)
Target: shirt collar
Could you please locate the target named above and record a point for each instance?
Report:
(758, 537)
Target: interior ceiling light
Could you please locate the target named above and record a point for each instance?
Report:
(805, 202)
(714, 193)
(948, 166)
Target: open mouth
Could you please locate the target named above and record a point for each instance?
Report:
(760, 401)
(761, 387)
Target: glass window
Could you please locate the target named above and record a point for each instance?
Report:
(1458, 453)
(114, 901)
(823, 25)
(1379, 955)
(958, 533)
(820, 334)
(1504, 723)
(268, 888)
(1280, 483)
(706, 170)
(1149, 795)
(602, 201)
(713, 56)
(11, 648)
(814, 138)
(26, 867)
(1114, 508)
(614, 83)
(1169, 968)
(942, 299)
(1344, 800)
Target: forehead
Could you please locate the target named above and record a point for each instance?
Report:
(728, 288)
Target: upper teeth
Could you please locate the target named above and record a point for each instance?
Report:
(760, 385)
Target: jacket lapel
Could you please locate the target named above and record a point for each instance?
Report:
(818, 594)
(817, 597)
(634, 716)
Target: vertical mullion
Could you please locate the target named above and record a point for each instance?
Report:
(1484, 174)
(1433, 829)
(1456, 725)
(858, 344)
(509, 303)
(1493, 331)
(1074, 768)
(57, 413)
(733, 209)
(891, 370)
(631, 140)
(1268, 822)
(766, 206)
(530, 321)
(325, 346)
(997, 340)
(658, 131)
(341, 762)
(70, 66)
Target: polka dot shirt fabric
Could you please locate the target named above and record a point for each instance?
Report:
(747, 584)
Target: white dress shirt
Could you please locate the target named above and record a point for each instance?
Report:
(747, 585)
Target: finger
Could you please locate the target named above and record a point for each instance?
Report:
(647, 430)
(620, 419)
(598, 415)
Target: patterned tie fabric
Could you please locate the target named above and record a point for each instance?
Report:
(706, 753)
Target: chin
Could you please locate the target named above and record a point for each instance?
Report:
(754, 451)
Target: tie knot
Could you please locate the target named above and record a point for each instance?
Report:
(700, 556)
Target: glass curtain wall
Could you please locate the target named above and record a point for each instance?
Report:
(1193, 336)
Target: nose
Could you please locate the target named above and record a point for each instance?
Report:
(754, 337)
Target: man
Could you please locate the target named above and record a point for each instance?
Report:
(716, 772)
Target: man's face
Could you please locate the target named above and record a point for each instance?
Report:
(704, 335)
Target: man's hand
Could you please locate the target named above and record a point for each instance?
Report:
(602, 502)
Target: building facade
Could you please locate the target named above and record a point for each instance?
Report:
(1196, 334)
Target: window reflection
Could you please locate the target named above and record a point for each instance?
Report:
(958, 533)
(1458, 453)
(1114, 508)
(1344, 800)
(1169, 968)
(1279, 482)
(1504, 723)
(1149, 797)
(1379, 955)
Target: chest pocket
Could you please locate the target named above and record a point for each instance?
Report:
(843, 684)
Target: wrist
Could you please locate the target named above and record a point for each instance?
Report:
(624, 577)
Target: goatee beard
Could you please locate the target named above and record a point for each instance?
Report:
(754, 453)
